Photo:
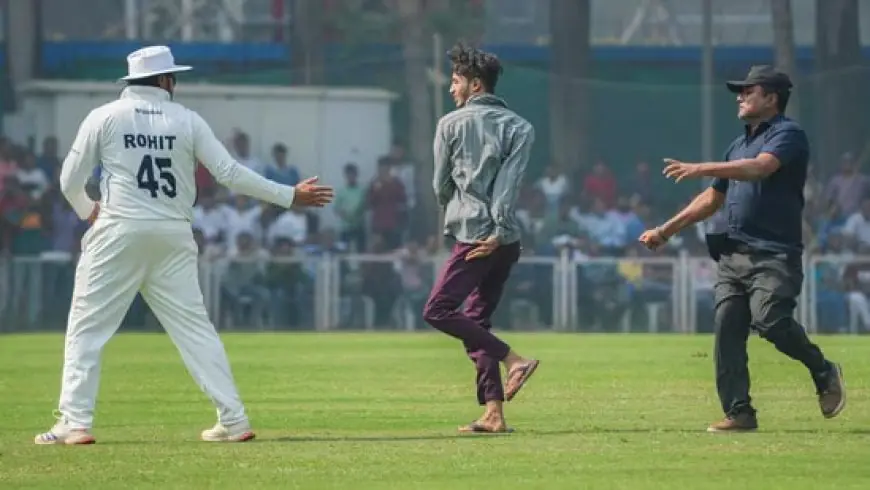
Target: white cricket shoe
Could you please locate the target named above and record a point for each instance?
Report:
(62, 433)
(240, 432)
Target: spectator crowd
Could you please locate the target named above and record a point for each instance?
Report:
(265, 275)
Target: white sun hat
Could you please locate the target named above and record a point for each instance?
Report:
(150, 61)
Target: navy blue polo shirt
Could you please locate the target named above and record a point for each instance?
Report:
(767, 214)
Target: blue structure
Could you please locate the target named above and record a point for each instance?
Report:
(56, 55)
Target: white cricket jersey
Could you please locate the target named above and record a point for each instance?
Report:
(148, 146)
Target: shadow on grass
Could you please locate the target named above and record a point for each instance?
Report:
(547, 433)
(520, 433)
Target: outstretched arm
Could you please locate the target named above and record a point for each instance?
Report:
(230, 173)
(781, 148)
(702, 207)
(746, 169)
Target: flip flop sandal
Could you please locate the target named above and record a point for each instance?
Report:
(518, 377)
(477, 428)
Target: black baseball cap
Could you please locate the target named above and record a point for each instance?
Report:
(761, 75)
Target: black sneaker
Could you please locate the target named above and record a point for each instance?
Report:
(831, 390)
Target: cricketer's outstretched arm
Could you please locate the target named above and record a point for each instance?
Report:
(79, 165)
(230, 173)
(509, 180)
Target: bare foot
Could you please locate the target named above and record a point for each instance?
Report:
(513, 359)
(485, 426)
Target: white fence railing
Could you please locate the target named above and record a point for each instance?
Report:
(663, 294)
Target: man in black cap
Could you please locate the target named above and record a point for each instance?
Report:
(756, 239)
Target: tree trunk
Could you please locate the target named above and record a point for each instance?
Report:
(839, 87)
(307, 42)
(415, 50)
(559, 50)
(783, 43)
(569, 71)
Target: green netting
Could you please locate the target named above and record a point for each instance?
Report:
(637, 111)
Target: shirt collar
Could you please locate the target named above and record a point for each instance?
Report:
(763, 126)
(485, 99)
(138, 92)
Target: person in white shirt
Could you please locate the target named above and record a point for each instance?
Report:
(242, 215)
(857, 227)
(403, 169)
(141, 240)
(291, 225)
(211, 218)
(32, 178)
(554, 185)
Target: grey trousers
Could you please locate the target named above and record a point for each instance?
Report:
(757, 291)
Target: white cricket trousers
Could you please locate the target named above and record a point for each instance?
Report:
(159, 259)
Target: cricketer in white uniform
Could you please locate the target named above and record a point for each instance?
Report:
(142, 242)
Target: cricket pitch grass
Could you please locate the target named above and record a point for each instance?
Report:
(373, 410)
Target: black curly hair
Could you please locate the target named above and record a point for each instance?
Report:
(470, 63)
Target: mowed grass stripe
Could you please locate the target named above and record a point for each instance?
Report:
(372, 410)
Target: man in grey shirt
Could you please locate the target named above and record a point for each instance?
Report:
(481, 152)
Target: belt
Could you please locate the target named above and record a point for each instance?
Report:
(734, 246)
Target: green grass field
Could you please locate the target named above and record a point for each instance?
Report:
(380, 411)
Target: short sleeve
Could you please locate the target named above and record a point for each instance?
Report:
(720, 184)
(788, 145)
